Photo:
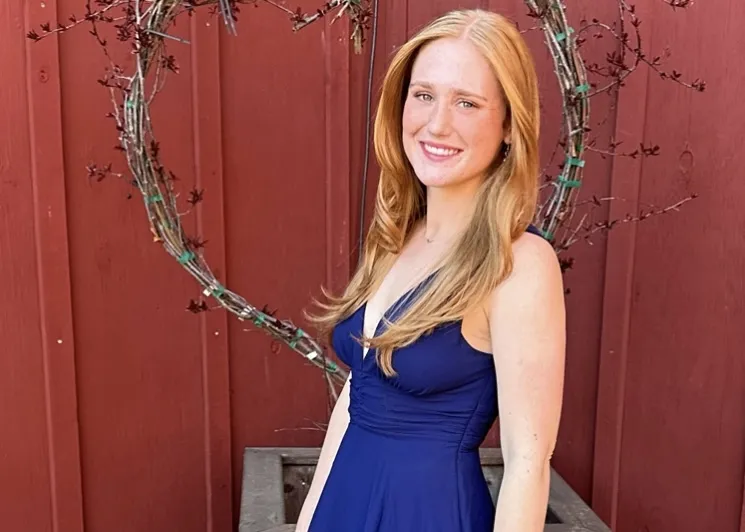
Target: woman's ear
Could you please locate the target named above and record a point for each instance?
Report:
(507, 129)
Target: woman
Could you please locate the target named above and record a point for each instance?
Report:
(456, 312)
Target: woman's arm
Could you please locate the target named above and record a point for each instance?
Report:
(336, 429)
(527, 327)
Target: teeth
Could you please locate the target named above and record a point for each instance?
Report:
(439, 151)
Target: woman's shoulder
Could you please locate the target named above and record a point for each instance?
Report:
(532, 252)
(535, 283)
(535, 267)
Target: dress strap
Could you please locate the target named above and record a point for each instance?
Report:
(533, 229)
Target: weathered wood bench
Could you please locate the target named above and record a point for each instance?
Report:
(276, 481)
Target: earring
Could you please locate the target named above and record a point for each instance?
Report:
(507, 149)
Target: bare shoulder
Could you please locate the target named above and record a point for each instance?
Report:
(528, 307)
(535, 271)
(530, 301)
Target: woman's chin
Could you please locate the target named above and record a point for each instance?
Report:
(450, 180)
(436, 179)
(436, 175)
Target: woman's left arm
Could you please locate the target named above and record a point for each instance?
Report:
(527, 327)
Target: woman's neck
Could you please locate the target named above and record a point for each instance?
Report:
(449, 210)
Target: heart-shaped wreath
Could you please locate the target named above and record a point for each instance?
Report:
(145, 24)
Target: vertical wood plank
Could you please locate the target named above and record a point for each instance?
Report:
(207, 114)
(336, 44)
(619, 274)
(24, 451)
(53, 269)
(742, 513)
(391, 33)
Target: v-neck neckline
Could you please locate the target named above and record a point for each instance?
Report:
(392, 308)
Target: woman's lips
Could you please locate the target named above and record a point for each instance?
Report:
(439, 152)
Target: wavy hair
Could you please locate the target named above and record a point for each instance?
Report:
(506, 203)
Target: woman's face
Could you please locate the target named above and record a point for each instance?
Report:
(454, 114)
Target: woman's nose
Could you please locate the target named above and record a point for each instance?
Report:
(439, 119)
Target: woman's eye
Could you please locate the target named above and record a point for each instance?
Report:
(423, 96)
(467, 105)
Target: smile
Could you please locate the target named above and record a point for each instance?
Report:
(439, 152)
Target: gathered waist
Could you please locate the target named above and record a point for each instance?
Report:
(416, 439)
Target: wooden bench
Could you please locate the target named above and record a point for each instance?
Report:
(276, 481)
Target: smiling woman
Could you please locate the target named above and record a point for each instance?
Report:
(454, 118)
(456, 293)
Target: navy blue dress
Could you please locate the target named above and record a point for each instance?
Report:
(408, 461)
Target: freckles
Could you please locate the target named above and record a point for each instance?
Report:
(412, 121)
(486, 131)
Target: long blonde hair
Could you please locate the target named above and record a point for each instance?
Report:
(505, 206)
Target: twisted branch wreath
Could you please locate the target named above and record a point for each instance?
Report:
(145, 24)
